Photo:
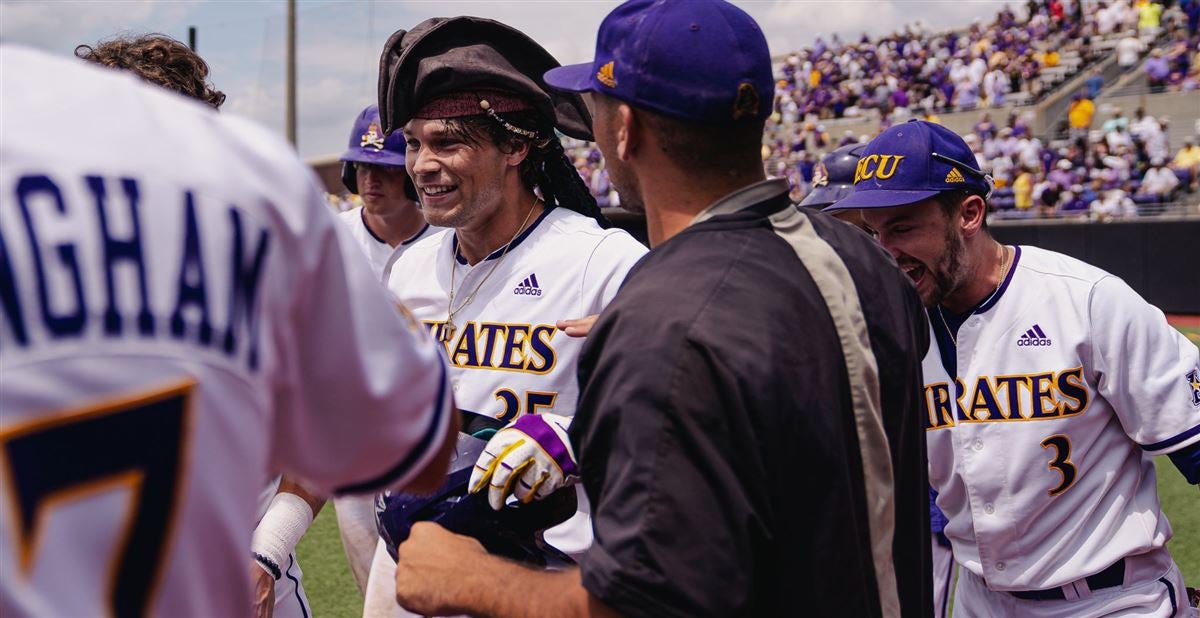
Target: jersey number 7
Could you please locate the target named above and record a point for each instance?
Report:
(137, 443)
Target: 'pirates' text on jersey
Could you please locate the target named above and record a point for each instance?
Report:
(506, 356)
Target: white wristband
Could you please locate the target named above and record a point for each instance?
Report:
(285, 522)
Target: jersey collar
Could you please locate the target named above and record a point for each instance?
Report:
(458, 257)
(362, 214)
(750, 195)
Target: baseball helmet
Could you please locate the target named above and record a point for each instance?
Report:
(513, 532)
(833, 177)
(368, 144)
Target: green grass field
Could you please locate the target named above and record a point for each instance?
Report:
(1192, 333)
(332, 591)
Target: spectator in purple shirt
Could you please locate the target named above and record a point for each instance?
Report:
(1157, 70)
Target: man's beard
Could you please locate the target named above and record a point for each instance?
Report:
(951, 271)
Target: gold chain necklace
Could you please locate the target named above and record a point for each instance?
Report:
(449, 328)
(1003, 271)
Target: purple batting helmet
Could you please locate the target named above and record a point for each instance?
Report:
(368, 144)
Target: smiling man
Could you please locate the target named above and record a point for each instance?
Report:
(1051, 385)
(528, 246)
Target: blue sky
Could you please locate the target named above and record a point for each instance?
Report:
(338, 42)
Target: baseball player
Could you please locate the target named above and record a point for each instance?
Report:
(833, 179)
(285, 509)
(1049, 389)
(389, 222)
(527, 246)
(749, 426)
(178, 315)
(390, 219)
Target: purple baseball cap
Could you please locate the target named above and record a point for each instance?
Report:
(367, 143)
(703, 61)
(911, 162)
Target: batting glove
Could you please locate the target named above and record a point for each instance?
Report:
(531, 459)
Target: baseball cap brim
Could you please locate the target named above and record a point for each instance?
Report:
(880, 199)
(385, 157)
(571, 78)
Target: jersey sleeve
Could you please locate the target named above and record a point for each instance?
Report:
(363, 396)
(1148, 371)
(606, 269)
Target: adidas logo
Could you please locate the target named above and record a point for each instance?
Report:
(955, 176)
(1033, 337)
(605, 75)
(528, 287)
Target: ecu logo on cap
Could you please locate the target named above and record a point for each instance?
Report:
(881, 167)
(373, 137)
(820, 175)
(606, 76)
(747, 104)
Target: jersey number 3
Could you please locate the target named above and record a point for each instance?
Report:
(1061, 462)
(135, 443)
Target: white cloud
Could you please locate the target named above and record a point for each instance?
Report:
(339, 42)
(61, 25)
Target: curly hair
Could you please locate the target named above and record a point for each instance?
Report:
(159, 59)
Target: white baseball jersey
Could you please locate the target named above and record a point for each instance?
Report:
(379, 253)
(1066, 382)
(179, 314)
(506, 356)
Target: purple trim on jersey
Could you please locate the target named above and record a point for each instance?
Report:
(1012, 269)
(1172, 441)
(362, 212)
(498, 252)
(1170, 594)
(947, 350)
(937, 519)
(539, 429)
(426, 442)
(1187, 459)
(296, 589)
(414, 237)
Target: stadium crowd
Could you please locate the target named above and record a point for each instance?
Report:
(1015, 58)
(1121, 168)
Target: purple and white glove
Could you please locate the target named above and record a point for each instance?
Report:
(530, 459)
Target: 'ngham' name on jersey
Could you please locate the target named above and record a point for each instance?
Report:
(95, 274)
